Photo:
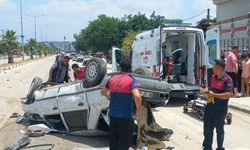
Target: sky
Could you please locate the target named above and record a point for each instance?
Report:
(59, 18)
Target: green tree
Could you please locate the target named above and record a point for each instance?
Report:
(32, 46)
(105, 32)
(79, 42)
(128, 41)
(9, 43)
(156, 20)
(101, 34)
(138, 22)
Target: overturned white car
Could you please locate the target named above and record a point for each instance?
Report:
(79, 106)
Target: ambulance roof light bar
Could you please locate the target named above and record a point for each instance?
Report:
(177, 24)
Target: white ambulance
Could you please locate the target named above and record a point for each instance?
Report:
(174, 53)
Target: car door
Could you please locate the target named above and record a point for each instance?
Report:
(73, 107)
(45, 102)
(116, 59)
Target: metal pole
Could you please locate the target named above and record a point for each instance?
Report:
(41, 33)
(208, 16)
(22, 36)
(2, 33)
(35, 16)
(46, 33)
(64, 43)
(35, 26)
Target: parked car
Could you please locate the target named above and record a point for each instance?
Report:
(86, 59)
(72, 55)
(79, 58)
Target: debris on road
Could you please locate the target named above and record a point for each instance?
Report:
(35, 133)
(37, 128)
(14, 115)
(19, 144)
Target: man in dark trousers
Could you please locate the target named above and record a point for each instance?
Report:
(121, 90)
(216, 109)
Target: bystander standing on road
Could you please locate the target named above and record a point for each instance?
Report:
(216, 109)
(101, 55)
(122, 89)
(78, 72)
(232, 68)
(245, 76)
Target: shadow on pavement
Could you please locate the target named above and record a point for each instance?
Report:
(169, 148)
(95, 142)
(192, 115)
(177, 102)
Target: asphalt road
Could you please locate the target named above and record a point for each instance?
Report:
(187, 127)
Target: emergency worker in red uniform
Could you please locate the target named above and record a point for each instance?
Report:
(123, 95)
(217, 106)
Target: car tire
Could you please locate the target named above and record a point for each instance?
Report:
(35, 84)
(142, 71)
(95, 71)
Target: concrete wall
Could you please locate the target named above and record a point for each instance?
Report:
(232, 8)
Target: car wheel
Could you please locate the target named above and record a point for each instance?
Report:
(95, 71)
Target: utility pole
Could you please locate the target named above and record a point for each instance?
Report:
(41, 33)
(64, 39)
(2, 32)
(208, 16)
(35, 26)
(206, 24)
(35, 17)
(22, 36)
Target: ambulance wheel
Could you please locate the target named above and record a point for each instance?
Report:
(142, 71)
(95, 71)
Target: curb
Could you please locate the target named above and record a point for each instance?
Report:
(239, 108)
(10, 67)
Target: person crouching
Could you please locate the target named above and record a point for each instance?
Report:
(78, 72)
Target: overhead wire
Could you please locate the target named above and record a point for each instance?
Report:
(195, 15)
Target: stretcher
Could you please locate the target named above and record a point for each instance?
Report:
(198, 106)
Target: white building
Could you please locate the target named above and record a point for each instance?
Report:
(233, 24)
(227, 9)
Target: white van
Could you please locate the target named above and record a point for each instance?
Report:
(174, 53)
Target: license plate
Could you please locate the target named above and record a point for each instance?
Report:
(145, 94)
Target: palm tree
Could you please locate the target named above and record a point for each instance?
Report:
(8, 43)
(32, 46)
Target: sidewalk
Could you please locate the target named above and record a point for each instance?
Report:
(4, 66)
(240, 104)
(16, 59)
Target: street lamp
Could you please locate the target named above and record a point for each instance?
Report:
(22, 36)
(2, 32)
(35, 17)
